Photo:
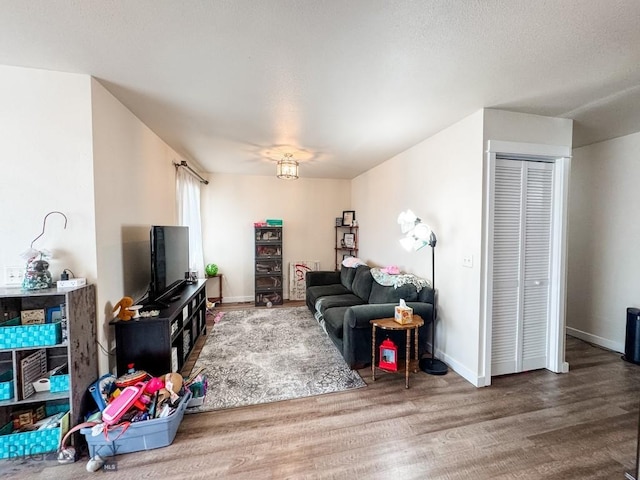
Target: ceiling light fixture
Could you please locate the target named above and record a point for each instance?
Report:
(287, 168)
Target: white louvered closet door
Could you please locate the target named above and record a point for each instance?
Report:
(523, 215)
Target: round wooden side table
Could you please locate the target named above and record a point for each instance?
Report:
(220, 277)
(391, 324)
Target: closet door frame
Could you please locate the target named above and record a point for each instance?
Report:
(560, 156)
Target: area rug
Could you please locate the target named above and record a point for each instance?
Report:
(266, 355)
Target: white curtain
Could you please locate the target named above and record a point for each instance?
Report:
(188, 198)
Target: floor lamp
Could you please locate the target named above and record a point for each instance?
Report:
(417, 235)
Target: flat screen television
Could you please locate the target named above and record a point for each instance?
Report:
(169, 262)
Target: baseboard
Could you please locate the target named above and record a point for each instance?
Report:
(242, 299)
(481, 381)
(245, 299)
(596, 340)
(461, 370)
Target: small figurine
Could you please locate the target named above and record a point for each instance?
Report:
(122, 307)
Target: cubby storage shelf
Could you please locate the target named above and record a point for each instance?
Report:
(268, 276)
(162, 344)
(38, 397)
(76, 347)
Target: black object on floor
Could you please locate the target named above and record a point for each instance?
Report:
(632, 339)
(433, 366)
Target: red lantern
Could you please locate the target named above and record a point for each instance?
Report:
(388, 356)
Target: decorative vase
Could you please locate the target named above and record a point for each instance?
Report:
(37, 275)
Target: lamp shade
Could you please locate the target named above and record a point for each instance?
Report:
(418, 233)
(407, 221)
(287, 168)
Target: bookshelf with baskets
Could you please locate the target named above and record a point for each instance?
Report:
(30, 352)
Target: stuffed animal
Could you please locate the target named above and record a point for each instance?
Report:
(172, 385)
(123, 305)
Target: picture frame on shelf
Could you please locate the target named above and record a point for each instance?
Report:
(348, 217)
(338, 221)
(54, 314)
(32, 317)
(349, 240)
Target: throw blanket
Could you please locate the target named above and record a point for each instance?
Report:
(396, 281)
(352, 262)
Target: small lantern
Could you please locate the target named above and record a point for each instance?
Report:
(388, 356)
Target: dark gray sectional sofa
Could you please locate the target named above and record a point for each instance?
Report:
(345, 302)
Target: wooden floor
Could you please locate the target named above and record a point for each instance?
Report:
(537, 425)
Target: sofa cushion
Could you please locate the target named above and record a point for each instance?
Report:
(333, 301)
(346, 276)
(314, 293)
(362, 282)
(334, 321)
(384, 294)
(426, 295)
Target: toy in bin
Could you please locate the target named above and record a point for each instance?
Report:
(102, 389)
(122, 403)
(132, 377)
(197, 385)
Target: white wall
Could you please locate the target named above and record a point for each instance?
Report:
(45, 133)
(440, 179)
(604, 258)
(135, 188)
(232, 203)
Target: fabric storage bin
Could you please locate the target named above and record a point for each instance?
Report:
(6, 385)
(25, 444)
(144, 435)
(52, 409)
(38, 335)
(11, 322)
(59, 383)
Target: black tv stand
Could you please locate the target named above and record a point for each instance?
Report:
(148, 343)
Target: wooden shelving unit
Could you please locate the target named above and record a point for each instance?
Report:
(340, 248)
(77, 348)
(268, 266)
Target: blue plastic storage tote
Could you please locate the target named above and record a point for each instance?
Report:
(144, 435)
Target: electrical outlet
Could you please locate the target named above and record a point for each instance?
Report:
(467, 261)
(13, 275)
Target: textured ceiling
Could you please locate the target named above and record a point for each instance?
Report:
(343, 85)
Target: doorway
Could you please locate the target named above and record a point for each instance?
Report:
(524, 258)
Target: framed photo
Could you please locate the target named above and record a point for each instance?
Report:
(349, 240)
(338, 222)
(54, 314)
(348, 216)
(32, 317)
